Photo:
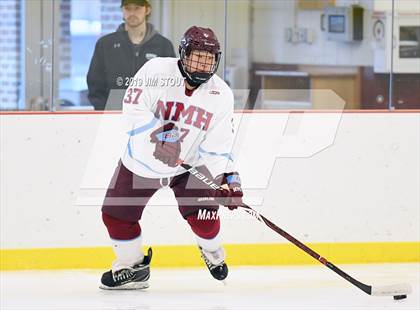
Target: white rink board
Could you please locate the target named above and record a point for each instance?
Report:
(339, 178)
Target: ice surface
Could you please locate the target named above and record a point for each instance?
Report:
(295, 287)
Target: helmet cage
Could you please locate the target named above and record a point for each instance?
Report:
(184, 54)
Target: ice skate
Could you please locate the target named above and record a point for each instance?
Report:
(132, 278)
(215, 262)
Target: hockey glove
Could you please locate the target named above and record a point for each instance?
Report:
(168, 145)
(232, 198)
(224, 190)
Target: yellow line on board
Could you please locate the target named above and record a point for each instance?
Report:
(237, 254)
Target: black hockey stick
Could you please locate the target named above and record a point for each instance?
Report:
(399, 291)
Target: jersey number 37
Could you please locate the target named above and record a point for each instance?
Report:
(132, 95)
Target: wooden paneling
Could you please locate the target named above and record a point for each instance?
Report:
(287, 88)
(344, 81)
(314, 4)
(345, 86)
(359, 87)
(375, 90)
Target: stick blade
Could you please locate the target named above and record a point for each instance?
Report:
(391, 290)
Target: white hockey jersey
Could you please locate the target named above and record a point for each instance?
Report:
(204, 120)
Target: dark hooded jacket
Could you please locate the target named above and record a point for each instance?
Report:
(116, 59)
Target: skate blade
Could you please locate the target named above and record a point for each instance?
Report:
(127, 286)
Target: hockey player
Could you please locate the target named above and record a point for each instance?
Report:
(175, 109)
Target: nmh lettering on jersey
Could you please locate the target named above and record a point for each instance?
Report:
(176, 111)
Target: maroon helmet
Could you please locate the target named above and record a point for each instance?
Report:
(199, 39)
